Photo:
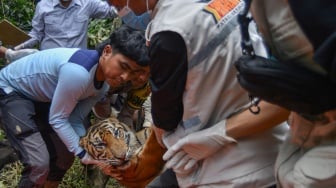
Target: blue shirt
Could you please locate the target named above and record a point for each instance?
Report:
(56, 26)
(65, 78)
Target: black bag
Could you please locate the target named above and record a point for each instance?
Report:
(286, 84)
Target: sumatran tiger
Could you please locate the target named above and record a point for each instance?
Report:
(115, 143)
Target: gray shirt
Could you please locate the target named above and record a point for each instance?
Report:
(65, 78)
(57, 26)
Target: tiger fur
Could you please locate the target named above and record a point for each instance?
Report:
(116, 144)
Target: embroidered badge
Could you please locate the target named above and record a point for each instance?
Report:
(223, 9)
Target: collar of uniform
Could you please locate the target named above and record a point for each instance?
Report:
(73, 2)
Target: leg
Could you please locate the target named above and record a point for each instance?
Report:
(298, 168)
(316, 168)
(288, 155)
(23, 134)
(7, 154)
(60, 158)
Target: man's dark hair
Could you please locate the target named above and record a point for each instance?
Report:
(129, 42)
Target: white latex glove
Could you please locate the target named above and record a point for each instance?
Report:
(181, 163)
(13, 55)
(87, 159)
(19, 47)
(198, 145)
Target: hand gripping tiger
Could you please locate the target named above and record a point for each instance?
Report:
(185, 153)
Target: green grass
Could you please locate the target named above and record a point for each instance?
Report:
(75, 177)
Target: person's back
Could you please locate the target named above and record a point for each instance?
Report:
(196, 63)
(209, 99)
(305, 158)
(61, 23)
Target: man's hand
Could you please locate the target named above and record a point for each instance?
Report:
(142, 167)
(196, 146)
(182, 163)
(87, 159)
(308, 134)
(13, 55)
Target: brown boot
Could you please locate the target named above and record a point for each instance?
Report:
(51, 184)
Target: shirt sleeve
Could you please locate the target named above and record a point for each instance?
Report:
(71, 85)
(169, 68)
(101, 9)
(37, 32)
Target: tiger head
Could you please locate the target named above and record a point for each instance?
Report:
(110, 141)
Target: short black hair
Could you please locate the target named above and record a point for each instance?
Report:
(129, 42)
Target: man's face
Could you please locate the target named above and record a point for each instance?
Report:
(117, 69)
(65, 3)
(141, 77)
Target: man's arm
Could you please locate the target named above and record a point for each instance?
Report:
(101, 9)
(245, 123)
(37, 32)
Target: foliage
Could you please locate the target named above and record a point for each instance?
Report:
(74, 178)
(20, 13)
(100, 29)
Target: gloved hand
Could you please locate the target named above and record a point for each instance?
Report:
(182, 163)
(20, 46)
(13, 55)
(87, 159)
(197, 146)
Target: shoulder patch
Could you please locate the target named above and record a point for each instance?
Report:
(223, 9)
(85, 58)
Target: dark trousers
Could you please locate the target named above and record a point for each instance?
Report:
(42, 153)
(165, 180)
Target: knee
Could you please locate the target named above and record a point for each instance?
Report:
(36, 172)
(309, 176)
(40, 165)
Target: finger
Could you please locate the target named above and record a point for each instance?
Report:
(191, 164)
(172, 151)
(174, 160)
(182, 162)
